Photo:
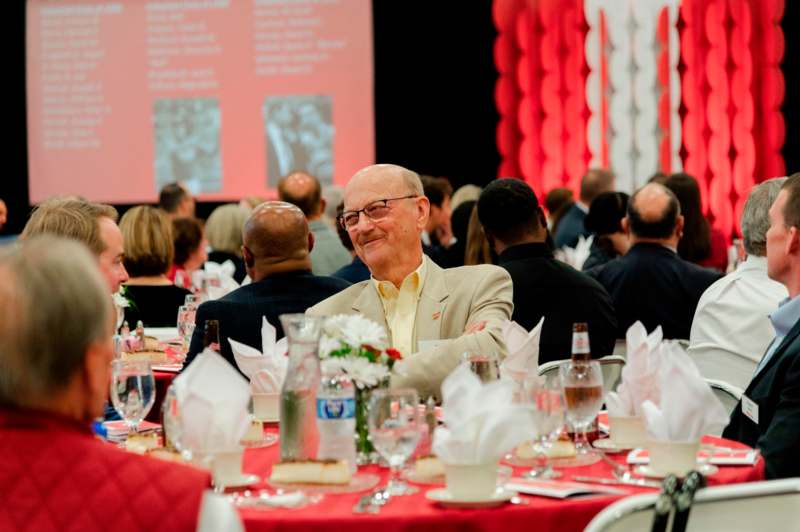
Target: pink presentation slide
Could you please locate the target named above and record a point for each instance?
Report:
(226, 96)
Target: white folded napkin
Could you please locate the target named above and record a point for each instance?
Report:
(523, 350)
(576, 256)
(265, 369)
(212, 398)
(687, 408)
(222, 272)
(640, 376)
(481, 423)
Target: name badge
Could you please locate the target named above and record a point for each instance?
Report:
(750, 409)
(429, 345)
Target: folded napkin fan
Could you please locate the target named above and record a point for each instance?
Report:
(687, 408)
(222, 272)
(523, 350)
(640, 377)
(212, 399)
(481, 423)
(266, 369)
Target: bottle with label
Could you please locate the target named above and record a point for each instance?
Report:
(336, 419)
(581, 353)
(211, 335)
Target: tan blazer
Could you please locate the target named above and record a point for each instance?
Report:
(451, 300)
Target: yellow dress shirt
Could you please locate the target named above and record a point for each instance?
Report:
(400, 307)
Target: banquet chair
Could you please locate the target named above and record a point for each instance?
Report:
(610, 365)
(764, 506)
(727, 393)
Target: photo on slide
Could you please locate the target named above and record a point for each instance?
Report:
(187, 143)
(299, 134)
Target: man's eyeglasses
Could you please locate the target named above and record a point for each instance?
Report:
(377, 210)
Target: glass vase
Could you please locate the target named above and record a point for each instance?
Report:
(365, 452)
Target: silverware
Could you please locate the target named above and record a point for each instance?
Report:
(639, 482)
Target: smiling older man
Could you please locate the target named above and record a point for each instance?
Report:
(432, 315)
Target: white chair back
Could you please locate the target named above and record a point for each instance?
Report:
(762, 506)
(727, 393)
(610, 365)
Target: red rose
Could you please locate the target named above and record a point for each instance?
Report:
(394, 354)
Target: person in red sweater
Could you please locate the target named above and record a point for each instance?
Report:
(56, 323)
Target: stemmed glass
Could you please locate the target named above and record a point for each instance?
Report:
(394, 431)
(546, 397)
(173, 424)
(485, 366)
(133, 391)
(583, 391)
(186, 325)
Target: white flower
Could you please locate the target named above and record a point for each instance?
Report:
(363, 372)
(120, 300)
(327, 344)
(355, 330)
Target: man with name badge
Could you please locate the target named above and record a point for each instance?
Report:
(768, 416)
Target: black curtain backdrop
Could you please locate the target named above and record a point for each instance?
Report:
(791, 73)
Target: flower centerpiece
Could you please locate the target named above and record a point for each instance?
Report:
(358, 347)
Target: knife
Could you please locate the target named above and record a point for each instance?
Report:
(616, 482)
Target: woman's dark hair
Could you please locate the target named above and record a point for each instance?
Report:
(606, 213)
(695, 245)
(187, 234)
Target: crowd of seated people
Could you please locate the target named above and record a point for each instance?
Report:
(650, 242)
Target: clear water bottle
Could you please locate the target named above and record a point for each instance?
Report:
(336, 419)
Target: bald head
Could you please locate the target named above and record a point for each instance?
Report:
(275, 234)
(654, 212)
(394, 179)
(303, 190)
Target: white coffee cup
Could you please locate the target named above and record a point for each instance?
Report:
(226, 466)
(266, 406)
(672, 457)
(471, 481)
(627, 430)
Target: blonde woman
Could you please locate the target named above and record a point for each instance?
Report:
(147, 233)
(224, 234)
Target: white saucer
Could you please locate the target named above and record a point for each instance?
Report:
(445, 498)
(647, 471)
(240, 481)
(610, 446)
(503, 474)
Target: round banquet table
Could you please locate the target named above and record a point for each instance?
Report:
(415, 512)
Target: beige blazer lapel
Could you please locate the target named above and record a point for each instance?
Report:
(431, 306)
(368, 303)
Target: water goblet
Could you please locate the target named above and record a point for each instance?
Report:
(583, 392)
(394, 431)
(186, 325)
(485, 366)
(546, 397)
(133, 391)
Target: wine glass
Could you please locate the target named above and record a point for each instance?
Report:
(546, 397)
(485, 366)
(133, 391)
(394, 431)
(583, 392)
(173, 424)
(186, 325)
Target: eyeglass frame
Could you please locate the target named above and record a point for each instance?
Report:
(358, 212)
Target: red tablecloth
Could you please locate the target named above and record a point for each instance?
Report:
(415, 512)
